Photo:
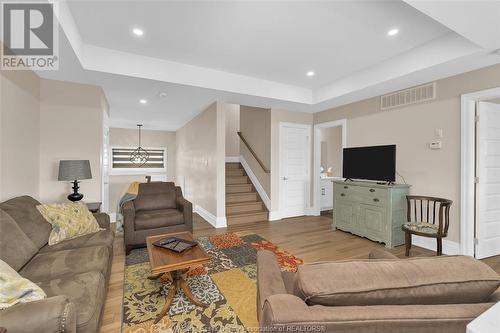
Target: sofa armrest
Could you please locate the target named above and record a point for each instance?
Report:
(53, 314)
(381, 254)
(269, 279)
(128, 212)
(186, 208)
(289, 313)
(103, 220)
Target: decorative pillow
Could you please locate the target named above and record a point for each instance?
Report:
(69, 220)
(16, 289)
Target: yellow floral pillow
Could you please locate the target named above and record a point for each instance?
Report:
(69, 220)
(16, 289)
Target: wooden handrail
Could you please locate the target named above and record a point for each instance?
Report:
(266, 170)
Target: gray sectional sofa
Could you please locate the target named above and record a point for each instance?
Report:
(74, 274)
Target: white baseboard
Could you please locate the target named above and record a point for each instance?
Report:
(216, 222)
(256, 183)
(232, 159)
(274, 216)
(449, 247)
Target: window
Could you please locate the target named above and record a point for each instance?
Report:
(121, 164)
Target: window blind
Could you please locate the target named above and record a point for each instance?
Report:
(121, 158)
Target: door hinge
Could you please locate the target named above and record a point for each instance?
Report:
(476, 180)
(476, 241)
(477, 119)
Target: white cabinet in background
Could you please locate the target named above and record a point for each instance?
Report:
(326, 193)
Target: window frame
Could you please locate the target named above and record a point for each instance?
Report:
(137, 171)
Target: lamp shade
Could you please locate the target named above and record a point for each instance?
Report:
(74, 170)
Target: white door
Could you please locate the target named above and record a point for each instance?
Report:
(488, 186)
(294, 169)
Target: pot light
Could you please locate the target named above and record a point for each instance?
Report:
(138, 32)
(310, 73)
(392, 32)
(143, 101)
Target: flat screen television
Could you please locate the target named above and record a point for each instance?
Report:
(377, 163)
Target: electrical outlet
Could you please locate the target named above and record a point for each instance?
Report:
(435, 145)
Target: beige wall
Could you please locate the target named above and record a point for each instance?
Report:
(19, 134)
(232, 127)
(278, 116)
(430, 172)
(331, 149)
(201, 159)
(123, 137)
(71, 127)
(255, 126)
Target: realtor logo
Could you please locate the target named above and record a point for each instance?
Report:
(29, 34)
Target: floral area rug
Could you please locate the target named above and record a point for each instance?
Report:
(227, 283)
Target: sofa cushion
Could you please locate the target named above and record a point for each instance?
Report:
(160, 218)
(55, 264)
(16, 249)
(86, 291)
(23, 211)
(145, 202)
(437, 280)
(102, 237)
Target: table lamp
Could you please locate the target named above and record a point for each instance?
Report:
(74, 170)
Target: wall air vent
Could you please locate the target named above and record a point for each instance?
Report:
(426, 92)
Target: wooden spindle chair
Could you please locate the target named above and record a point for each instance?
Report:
(428, 217)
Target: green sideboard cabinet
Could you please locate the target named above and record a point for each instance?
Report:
(370, 210)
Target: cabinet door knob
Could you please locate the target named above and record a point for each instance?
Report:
(342, 194)
(346, 186)
(376, 200)
(372, 190)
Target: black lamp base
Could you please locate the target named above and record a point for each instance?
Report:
(75, 196)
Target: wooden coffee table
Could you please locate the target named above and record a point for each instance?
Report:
(170, 266)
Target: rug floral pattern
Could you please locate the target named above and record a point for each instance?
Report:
(227, 283)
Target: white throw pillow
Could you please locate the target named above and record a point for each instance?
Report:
(16, 289)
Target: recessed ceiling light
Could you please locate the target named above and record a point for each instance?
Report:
(310, 73)
(138, 32)
(143, 101)
(392, 32)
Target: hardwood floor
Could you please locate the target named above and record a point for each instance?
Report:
(309, 238)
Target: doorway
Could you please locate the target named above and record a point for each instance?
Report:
(294, 173)
(329, 140)
(480, 213)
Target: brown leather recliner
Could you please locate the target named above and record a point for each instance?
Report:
(159, 208)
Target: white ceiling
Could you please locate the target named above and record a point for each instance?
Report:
(257, 53)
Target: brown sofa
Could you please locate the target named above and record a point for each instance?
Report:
(74, 273)
(159, 208)
(380, 294)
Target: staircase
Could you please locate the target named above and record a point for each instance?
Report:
(243, 203)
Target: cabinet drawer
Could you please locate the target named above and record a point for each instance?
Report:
(364, 198)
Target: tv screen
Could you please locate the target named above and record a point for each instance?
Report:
(376, 163)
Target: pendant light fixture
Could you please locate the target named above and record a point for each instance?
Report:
(139, 156)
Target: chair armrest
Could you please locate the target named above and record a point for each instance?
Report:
(381, 254)
(269, 279)
(103, 220)
(53, 314)
(186, 208)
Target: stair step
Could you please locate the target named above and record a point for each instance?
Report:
(239, 188)
(237, 180)
(244, 207)
(247, 217)
(233, 165)
(235, 172)
(241, 197)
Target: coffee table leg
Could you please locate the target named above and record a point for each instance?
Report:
(189, 294)
(168, 300)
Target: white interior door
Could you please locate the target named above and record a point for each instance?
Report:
(488, 185)
(294, 169)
